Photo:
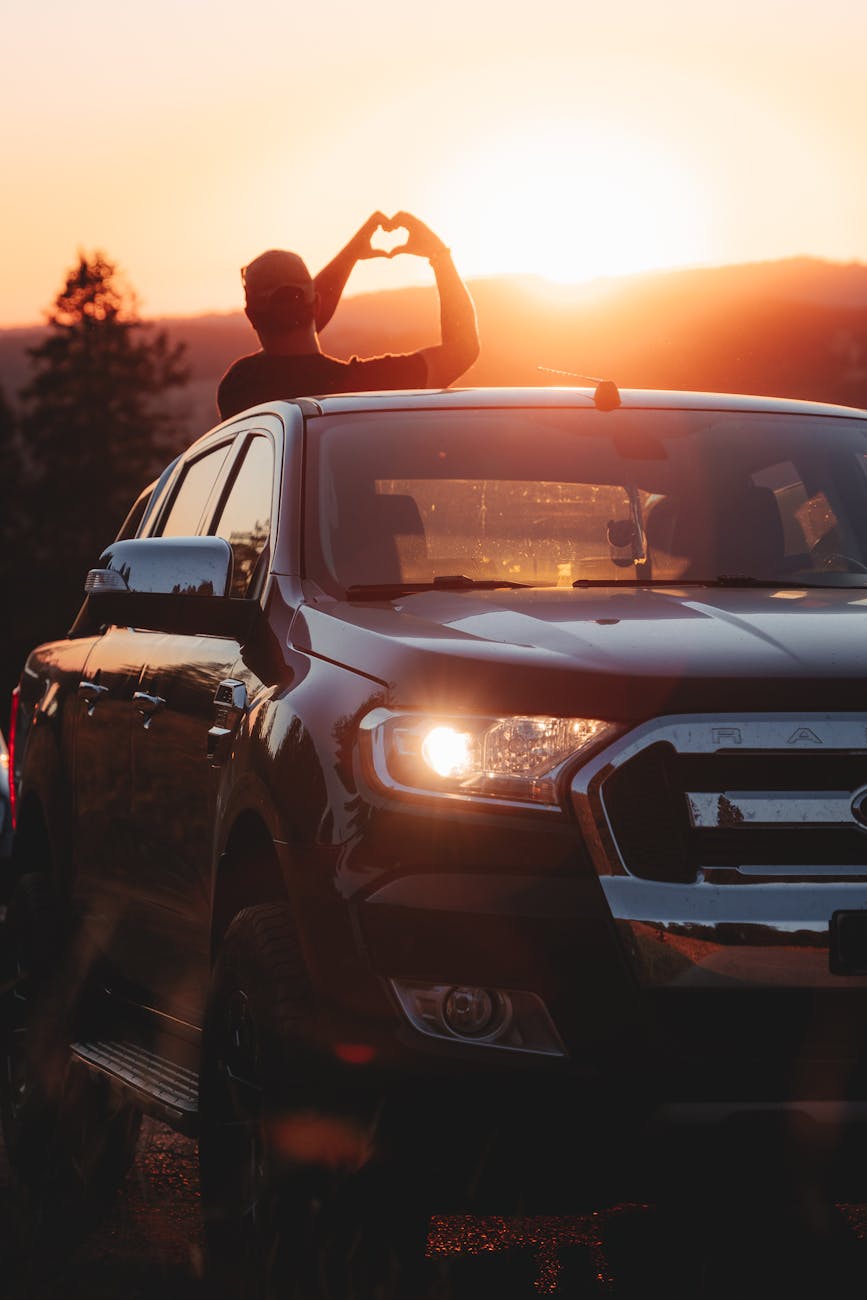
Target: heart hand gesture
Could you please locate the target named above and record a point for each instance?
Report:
(420, 239)
(361, 244)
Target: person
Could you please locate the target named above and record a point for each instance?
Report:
(288, 308)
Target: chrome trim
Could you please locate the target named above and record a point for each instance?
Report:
(231, 694)
(230, 705)
(91, 693)
(763, 935)
(792, 870)
(744, 809)
(733, 927)
(703, 734)
(147, 706)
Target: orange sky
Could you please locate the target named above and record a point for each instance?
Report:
(183, 138)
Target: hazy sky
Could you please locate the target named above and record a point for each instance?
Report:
(182, 137)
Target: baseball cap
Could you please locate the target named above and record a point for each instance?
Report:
(275, 270)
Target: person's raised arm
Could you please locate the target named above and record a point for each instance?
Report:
(331, 280)
(459, 346)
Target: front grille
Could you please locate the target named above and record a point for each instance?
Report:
(678, 806)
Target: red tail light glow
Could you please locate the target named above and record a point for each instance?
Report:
(13, 723)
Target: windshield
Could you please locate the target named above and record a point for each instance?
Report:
(554, 497)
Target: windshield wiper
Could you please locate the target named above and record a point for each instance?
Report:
(746, 580)
(443, 582)
(721, 580)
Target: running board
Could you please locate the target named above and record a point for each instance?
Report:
(162, 1088)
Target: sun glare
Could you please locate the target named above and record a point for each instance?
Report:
(573, 207)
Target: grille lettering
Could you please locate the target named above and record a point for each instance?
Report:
(727, 736)
(803, 735)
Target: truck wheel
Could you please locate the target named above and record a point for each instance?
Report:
(69, 1139)
(295, 1203)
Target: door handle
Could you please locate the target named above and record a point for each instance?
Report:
(148, 705)
(230, 704)
(91, 693)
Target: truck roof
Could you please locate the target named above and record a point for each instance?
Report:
(630, 398)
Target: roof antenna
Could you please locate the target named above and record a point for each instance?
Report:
(606, 396)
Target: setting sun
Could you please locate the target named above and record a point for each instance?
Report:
(570, 206)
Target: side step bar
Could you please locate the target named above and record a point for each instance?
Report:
(162, 1088)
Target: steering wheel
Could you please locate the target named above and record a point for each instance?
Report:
(839, 562)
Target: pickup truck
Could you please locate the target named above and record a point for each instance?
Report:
(442, 798)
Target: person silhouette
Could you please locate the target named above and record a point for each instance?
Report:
(288, 308)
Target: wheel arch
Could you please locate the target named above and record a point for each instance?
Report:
(32, 849)
(248, 873)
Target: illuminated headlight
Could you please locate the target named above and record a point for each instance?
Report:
(516, 759)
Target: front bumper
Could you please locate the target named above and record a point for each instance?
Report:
(734, 936)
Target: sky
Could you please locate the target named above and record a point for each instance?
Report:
(570, 141)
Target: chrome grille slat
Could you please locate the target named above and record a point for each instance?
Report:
(795, 870)
(740, 809)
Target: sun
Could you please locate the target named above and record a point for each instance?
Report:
(573, 206)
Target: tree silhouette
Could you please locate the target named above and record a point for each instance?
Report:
(9, 453)
(96, 424)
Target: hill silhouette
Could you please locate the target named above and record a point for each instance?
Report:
(795, 328)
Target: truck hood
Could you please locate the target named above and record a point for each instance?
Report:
(623, 653)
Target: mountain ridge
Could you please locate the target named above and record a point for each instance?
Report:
(792, 327)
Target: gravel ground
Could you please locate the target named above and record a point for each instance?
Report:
(150, 1246)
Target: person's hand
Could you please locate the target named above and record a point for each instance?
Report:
(361, 245)
(421, 240)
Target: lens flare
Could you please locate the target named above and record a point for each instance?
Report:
(448, 752)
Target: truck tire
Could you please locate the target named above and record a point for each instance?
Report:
(295, 1203)
(69, 1139)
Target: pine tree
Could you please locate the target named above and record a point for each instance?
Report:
(97, 424)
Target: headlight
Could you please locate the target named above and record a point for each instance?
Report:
(501, 759)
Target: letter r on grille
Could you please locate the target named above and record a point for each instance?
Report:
(727, 736)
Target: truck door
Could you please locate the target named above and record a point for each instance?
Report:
(110, 885)
(102, 781)
(100, 769)
(187, 690)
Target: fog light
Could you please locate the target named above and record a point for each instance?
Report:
(509, 1019)
(471, 1012)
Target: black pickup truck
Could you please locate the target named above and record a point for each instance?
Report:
(447, 791)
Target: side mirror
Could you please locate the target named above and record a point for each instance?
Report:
(166, 584)
(168, 566)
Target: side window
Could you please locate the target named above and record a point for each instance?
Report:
(130, 525)
(245, 518)
(191, 497)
